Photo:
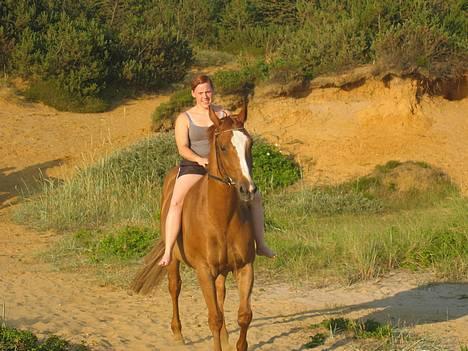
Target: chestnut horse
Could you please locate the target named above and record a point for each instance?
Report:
(217, 232)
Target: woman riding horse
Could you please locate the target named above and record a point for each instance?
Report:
(192, 143)
(218, 226)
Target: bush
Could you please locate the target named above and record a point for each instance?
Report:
(399, 185)
(77, 56)
(51, 93)
(413, 48)
(153, 57)
(272, 169)
(165, 114)
(124, 244)
(12, 339)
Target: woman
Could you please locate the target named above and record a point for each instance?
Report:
(193, 145)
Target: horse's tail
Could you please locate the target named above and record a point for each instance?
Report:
(152, 273)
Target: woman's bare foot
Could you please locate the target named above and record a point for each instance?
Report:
(165, 260)
(265, 251)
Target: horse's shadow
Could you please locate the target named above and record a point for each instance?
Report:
(430, 303)
(14, 183)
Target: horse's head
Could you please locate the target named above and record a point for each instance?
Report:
(232, 153)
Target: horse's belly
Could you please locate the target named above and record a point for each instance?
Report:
(216, 250)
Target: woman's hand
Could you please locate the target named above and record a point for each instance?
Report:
(202, 161)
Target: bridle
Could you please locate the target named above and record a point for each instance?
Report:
(221, 170)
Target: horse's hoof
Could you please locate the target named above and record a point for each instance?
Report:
(179, 339)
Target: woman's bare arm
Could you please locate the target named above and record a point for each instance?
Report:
(183, 142)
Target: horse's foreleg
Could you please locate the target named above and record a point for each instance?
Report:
(175, 284)
(215, 316)
(245, 278)
(221, 294)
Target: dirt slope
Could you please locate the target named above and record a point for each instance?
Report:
(335, 134)
(338, 135)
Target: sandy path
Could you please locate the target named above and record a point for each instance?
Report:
(38, 141)
(78, 307)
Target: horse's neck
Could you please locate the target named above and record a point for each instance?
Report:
(222, 198)
(222, 202)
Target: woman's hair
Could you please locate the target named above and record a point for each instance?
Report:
(200, 79)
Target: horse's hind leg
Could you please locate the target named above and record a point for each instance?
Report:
(245, 277)
(221, 294)
(175, 284)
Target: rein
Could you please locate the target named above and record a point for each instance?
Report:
(224, 177)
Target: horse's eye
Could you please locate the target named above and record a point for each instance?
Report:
(223, 148)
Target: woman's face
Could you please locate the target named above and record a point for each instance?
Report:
(203, 94)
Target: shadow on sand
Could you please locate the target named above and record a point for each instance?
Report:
(14, 183)
(430, 303)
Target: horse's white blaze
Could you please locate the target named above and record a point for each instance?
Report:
(239, 140)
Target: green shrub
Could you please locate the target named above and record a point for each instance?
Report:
(424, 49)
(153, 57)
(240, 82)
(77, 56)
(124, 244)
(12, 339)
(272, 169)
(361, 329)
(51, 93)
(232, 82)
(403, 185)
(165, 114)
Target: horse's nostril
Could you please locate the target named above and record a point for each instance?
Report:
(242, 189)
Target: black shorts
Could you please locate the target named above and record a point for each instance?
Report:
(190, 167)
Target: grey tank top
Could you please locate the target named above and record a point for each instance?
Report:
(198, 138)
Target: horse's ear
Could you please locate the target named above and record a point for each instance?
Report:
(242, 116)
(214, 118)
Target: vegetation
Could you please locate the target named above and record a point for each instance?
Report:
(346, 233)
(12, 339)
(84, 50)
(165, 114)
(370, 333)
(271, 169)
(339, 233)
(125, 188)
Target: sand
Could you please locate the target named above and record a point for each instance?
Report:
(335, 134)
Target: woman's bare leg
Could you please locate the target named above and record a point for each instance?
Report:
(259, 227)
(172, 227)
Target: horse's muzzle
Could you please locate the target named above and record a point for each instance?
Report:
(247, 191)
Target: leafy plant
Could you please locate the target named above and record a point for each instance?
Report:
(12, 339)
(165, 114)
(272, 169)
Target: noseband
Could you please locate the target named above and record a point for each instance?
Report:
(224, 177)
